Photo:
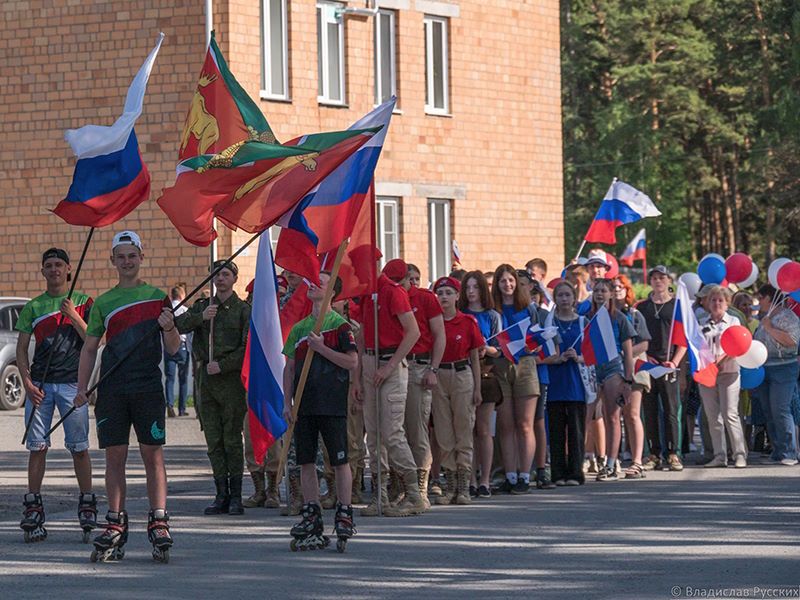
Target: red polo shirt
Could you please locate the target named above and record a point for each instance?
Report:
(425, 306)
(462, 336)
(392, 301)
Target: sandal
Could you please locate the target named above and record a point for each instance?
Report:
(635, 471)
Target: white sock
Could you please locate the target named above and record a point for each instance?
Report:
(526, 477)
(512, 478)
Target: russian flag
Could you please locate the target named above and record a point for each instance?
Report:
(513, 341)
(636, 250)
(622, 204)
(654, 369)
(685, 331)
(110, 178)
(262, 371)
(598, 345)
(541, 338)
(329, 212)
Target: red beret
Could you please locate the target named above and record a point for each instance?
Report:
(395, 269)
(447, 281)
(250, 286)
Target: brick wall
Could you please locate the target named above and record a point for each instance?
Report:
(70, 63)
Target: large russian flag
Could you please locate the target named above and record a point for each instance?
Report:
(622, 204)
(262, 371)
(685, 331)
(599, 346)
(110, 178)
(636, 250)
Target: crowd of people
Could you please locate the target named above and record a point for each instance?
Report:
(429, 397)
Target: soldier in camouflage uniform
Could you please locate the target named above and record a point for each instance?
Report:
(224, 402)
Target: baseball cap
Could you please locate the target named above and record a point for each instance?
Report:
(447, 282)
(395, 269)
(55, 253)
(126, 237)
(660, 269)
(598, 256)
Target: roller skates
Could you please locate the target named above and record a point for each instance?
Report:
(33, 520)
(158, 533)
(108, 546)
(343, 525)
(308, 533)
(87, 514)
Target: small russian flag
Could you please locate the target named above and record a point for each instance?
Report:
(599, 346)
(622, 204)
(654, 369)
(636, 250)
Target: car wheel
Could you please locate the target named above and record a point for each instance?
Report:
(12, 392)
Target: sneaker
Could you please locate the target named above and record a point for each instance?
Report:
(594, 468)
(483, 492)
(674, 463)
(523, 487)
(651, 462)
(560, 483)
(789, 462)
(170, 412)
(572, 482)
(473, 491)
(718, 462)
(607, 474)
(504, 488)
(741, 462)
(545, 484)
(586, 464)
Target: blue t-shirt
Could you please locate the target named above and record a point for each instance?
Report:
(565, 378)
(584, 307)
(489, 323)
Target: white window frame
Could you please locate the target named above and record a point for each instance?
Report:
(430, 107)
(267, 60)
(326, 13)
(383, 234)
(433, 241)
(380, 96)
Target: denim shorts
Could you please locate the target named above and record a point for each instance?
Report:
(76, 427)
(608, 370)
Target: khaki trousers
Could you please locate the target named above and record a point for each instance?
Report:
(721, 404)
(418, 412)
(271, 460)
(454, 417)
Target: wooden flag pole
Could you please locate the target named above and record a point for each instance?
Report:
(301, 384)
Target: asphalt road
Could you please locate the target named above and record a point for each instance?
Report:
(700, 533)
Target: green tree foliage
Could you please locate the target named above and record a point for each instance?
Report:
(696, 103)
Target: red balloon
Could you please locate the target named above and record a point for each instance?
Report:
(793, 306)
(738, 267)
(736, 340)
(614, 270)
(789, 277)
(554, 282)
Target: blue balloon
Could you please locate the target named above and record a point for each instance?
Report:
(752, 378)
(711, 270)
(795, 296)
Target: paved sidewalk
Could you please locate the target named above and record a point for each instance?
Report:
(710, 530)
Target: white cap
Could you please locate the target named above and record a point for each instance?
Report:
(598, 256)
(126, 237)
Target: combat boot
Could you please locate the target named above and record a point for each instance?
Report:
(372, 509)
(395, 488)
(356, 491)
(273, 496)
(450, 488)
(295, 501)
(412, 503)
(463, 475)
(222, 501)
(236, 507)
(422, 482)
(259, 495)
(328, 500)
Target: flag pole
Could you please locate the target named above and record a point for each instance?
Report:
(577, 256)
(644, 266)
(156, 327)
(374, 268)
(58, 332)
(301, 384)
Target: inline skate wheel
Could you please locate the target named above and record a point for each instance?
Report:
(292, 545)
(86, 536)
(94, 556)
(340, 545)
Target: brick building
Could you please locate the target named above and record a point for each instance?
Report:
(473, 153)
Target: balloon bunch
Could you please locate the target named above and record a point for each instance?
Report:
(738, 342)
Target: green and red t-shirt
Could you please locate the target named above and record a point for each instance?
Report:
(327, 386)
(125, 316)
(40, 318)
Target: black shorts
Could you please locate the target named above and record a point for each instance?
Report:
(115, 413)
(334, 435)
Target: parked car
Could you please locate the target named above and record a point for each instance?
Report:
(12, 392)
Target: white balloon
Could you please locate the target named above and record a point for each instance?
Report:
(715, 255)
(754, 357)
(751, 279)
(692, 282)
(772, 273)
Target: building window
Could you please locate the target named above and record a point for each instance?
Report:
(385, 65)
(274, 50)
(330, 51)
(387, 211)
(438, 238)
(436, 75)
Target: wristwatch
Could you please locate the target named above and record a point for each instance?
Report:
(434, 370)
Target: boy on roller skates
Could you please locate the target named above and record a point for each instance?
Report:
(59, 327)
(131, 394)
(322, 410)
